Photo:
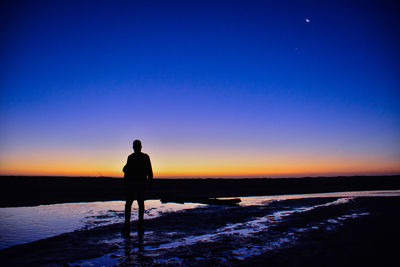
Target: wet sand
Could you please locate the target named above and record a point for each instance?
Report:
(360, 231)
(370, 240)
(29, 191)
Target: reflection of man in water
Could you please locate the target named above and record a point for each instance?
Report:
(138, 176)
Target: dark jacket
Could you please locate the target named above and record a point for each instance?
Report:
(138, 167)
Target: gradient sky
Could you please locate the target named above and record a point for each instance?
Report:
(212, 88)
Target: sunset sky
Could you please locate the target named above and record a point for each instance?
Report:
(212, 88)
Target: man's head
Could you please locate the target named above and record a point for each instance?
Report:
(137, 145)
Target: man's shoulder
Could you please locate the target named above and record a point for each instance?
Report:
(145, 155)
(140, 155)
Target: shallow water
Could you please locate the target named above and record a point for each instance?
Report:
(261, 200)
(27, 224)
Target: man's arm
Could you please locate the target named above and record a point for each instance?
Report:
(149, 169)
(126, 167)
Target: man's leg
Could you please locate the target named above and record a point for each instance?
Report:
(140, 200)
(141, 209)
(128, 208)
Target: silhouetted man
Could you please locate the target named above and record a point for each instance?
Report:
(138, 175)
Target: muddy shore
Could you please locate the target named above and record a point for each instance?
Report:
(31, 191)
(305, 232)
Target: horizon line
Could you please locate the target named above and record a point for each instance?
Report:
(218, 177)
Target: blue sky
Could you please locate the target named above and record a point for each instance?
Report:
(195, 79)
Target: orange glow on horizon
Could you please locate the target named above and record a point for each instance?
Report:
(203, 164)
(227, 172)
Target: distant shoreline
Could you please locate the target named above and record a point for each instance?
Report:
(19, 191)
(350, 175)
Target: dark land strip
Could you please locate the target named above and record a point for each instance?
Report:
(30, 191)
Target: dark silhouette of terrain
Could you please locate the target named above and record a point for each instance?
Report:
(30, 191)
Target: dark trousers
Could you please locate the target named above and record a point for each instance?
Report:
(134, 190)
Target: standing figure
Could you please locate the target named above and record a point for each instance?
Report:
(138, 175)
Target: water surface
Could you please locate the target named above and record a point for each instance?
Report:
(26, 224)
